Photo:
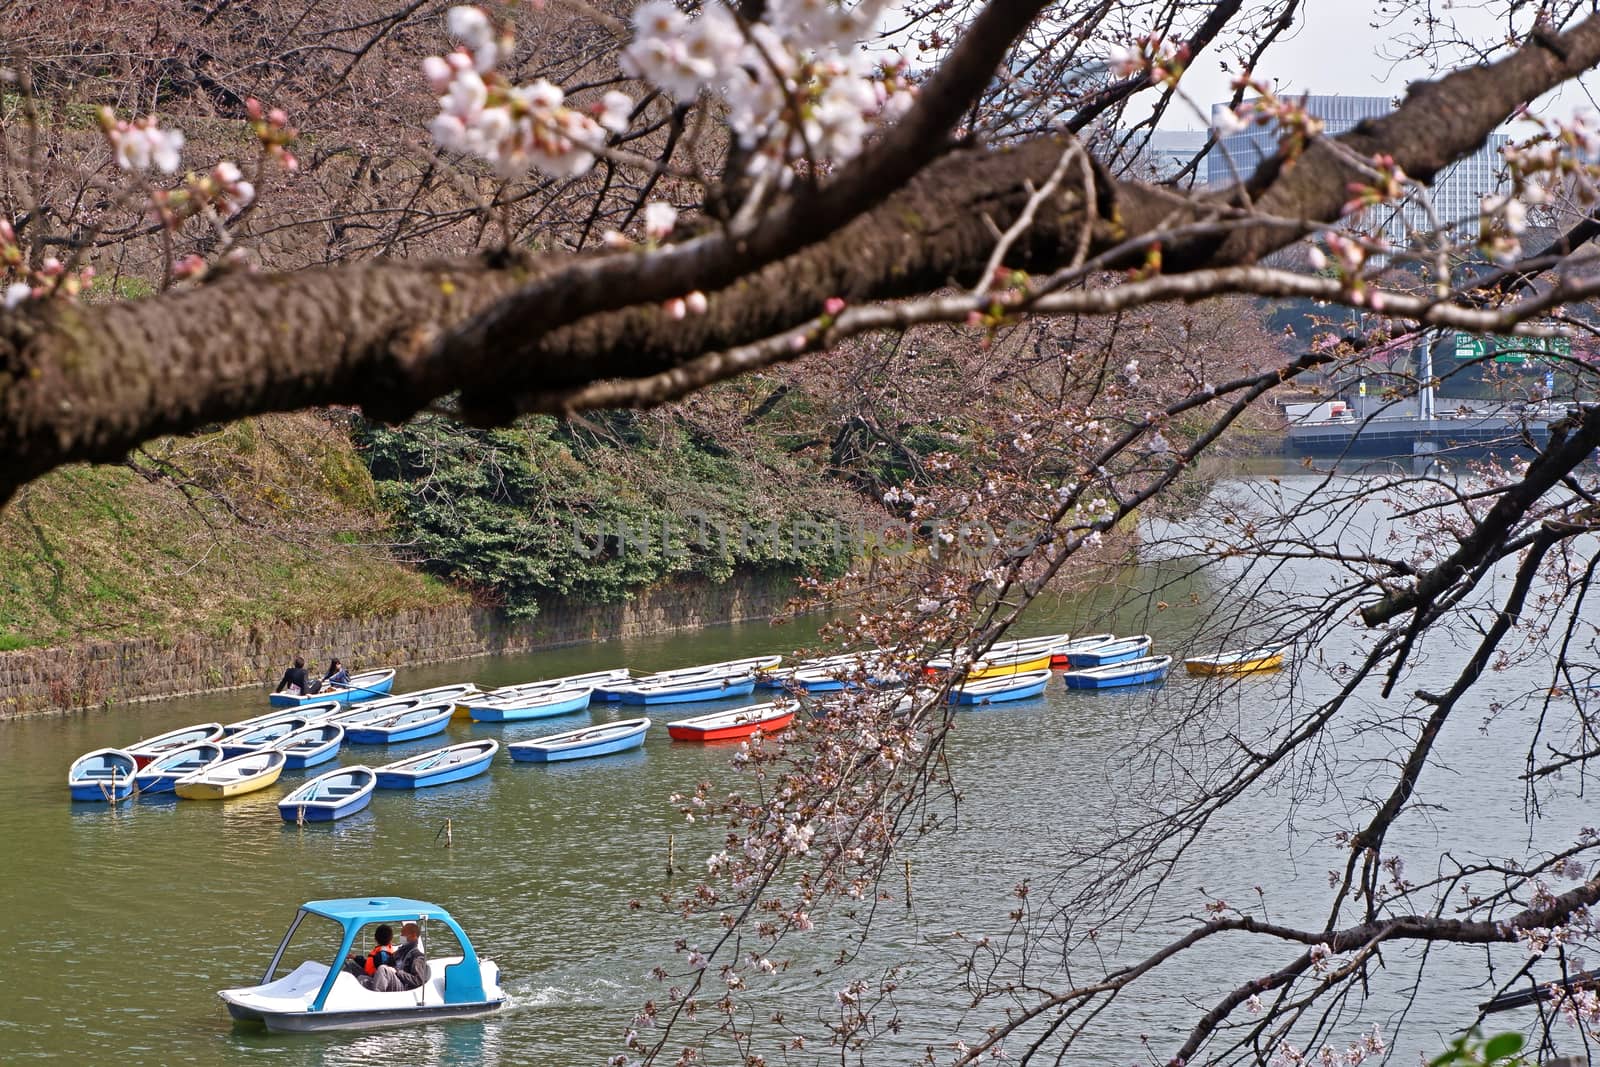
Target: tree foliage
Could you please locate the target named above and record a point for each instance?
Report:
(543, 509)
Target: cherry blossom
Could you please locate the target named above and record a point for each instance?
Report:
(141, 144)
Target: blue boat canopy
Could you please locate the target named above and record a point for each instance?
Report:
(363, 910)
(463, 982)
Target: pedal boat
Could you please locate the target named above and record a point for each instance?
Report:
(364, 685)
(317, 995)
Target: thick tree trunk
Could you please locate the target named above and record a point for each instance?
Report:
(90, 382)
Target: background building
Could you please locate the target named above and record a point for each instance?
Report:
(1455, 192)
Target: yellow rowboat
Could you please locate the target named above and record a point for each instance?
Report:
(1015, 663)
(232, 777)
(1247, 661)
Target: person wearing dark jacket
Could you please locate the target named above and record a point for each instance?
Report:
(410, 962)
(294, 679)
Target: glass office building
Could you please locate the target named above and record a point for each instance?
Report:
(1455, 192)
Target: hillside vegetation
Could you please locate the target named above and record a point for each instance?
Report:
(267, 519)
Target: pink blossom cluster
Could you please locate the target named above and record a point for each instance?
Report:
(797, 85)
(1297, 125)
(272, 129)
(1163, 59)
(140, 144)
(514, 128)
(1370, 1045)
(51, 277)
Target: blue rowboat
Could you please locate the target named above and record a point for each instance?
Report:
(308, 712)
(824, 668)
(439, 767)
(312, 994)
(540, 704)
(681, 691)
(1142, 671)
(262, 737)
(105, 774)
(1062, 652)
(385, 726)
(703, 675)
(151, 747)
(581, 744)
(365, 685)
(311, 745)
(1117, 650)
(404, 701)
(342, 791)
(1001, 688)
(163, 772)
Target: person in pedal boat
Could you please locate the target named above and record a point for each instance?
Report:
(411, 963)
(376, 970)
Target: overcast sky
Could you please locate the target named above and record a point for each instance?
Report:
(1335, 48)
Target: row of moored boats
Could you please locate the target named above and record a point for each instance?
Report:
(216, 760)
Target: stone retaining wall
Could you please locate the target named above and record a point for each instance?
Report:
(100, 673)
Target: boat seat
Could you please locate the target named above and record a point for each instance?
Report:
(342, 791)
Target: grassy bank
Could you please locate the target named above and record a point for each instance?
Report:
(267, 519)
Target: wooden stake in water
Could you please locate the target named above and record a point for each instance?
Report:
(300, 815)
(671, 844)
(908, 885)
(448, 838)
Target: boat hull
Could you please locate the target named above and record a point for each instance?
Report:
(1122, 653)
(108, 791)
(323, 811)
(1116, 680)
(357, 735)
(1021, 692)
(362, 690)
(481, 713)
(555, 749)
(315, 758)
(425, 779)
(685, 732)
(685, 695)
(214, 790)
(316, 1021)
(1017, 666)
(1207, 666)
